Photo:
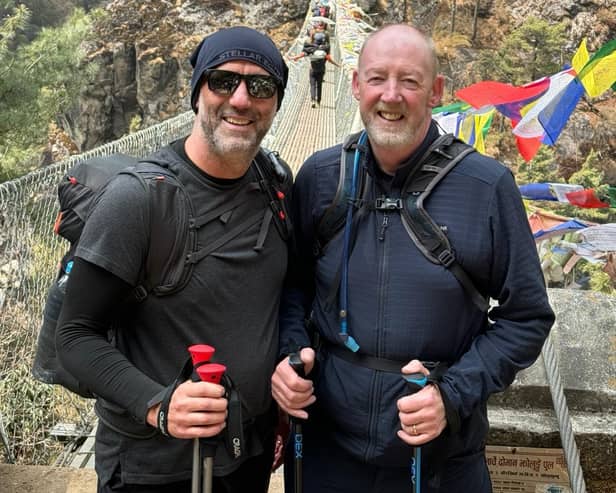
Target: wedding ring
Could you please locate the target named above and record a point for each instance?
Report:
(414, 428)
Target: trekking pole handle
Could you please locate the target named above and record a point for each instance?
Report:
(298, 447)
(204, 371)
(200, 353)
(414, 383)
(296, 363)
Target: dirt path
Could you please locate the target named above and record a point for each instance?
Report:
(30, 479)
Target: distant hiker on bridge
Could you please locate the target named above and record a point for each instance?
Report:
(316, 49)
(148, 417)
(401, 348)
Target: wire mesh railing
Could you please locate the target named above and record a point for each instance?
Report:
(29, 251)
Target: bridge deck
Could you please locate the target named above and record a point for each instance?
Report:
(307, 129)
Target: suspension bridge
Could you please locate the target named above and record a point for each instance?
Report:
(29, 252)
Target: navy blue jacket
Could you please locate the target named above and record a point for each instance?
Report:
(403, 307)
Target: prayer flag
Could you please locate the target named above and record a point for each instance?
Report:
(494, 93)
(580, 58)
(585, 198)
(599, 74)
(530, 125)
(527, 147)
(548, 191)
(555, 115)
(536, 191)
(448, 121)
(457, 107)
(611, 192)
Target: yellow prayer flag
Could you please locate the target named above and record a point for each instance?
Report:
(482, 123)
(580, 58)
(599, 73)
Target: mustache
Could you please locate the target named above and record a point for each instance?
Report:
(387, 108)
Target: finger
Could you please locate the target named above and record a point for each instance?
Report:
(307, 355)
(415, 366)
(204, 405)
(201, 389)
(299, 413)
(288, 381)
(196, 424)
(410, 403)
(411, 439)
(292, 402)
(196, 431)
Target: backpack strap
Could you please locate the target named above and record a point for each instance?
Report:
(173, 250)
(172, 231)
(335, 215)
(275, 179)
(442, 156)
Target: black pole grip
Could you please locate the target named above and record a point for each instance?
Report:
(296, 363)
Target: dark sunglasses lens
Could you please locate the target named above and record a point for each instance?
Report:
(261, 86)
(222, 82)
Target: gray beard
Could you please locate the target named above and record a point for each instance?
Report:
(386, 139)
(231, 149)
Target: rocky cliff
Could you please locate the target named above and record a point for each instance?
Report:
(143, 47)
(142, 54)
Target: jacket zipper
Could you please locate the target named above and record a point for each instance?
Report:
(377, 378)
(384, 226)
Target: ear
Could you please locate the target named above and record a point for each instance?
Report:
(438, 87)
(355, 84)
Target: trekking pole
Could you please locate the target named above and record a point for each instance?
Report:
(414, 383)
(298, 450)
(211, 372)
(207, 372)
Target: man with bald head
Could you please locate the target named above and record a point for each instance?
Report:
(398, 313)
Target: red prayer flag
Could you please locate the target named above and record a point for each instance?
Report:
(490, 92)
(585, 198)
(528, 147)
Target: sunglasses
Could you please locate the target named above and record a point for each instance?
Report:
(224, 82)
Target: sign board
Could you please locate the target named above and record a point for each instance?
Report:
(527, 470)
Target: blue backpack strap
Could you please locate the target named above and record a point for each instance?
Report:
(442, 156)
(334, 217)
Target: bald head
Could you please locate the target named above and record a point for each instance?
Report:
(396, 84)
(420, 44)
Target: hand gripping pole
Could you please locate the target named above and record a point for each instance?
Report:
(414, 383)
(204, 450)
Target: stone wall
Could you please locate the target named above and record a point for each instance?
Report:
(584, 337)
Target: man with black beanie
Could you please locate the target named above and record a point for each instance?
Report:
(148, 417)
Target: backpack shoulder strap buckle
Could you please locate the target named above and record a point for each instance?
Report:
(446, 257)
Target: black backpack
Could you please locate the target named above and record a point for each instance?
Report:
(439, 159)
(173, 248)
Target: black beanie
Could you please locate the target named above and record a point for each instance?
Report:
(237, 43)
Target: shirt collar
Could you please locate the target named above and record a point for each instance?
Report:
(397, 180)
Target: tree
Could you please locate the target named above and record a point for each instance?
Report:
(532, 51)
(44, 13)
(13, 24)
(41, 81)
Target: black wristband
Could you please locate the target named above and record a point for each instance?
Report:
(163, 411)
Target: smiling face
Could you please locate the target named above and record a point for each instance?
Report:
(232, 126)
(397, 87)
